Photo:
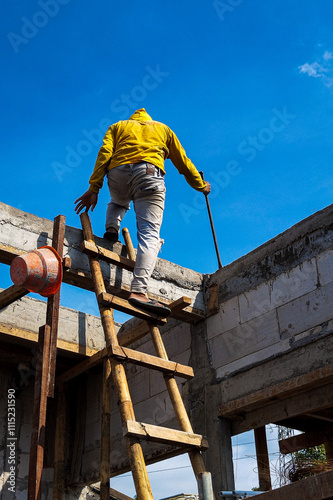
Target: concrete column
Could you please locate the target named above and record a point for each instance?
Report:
(227, 467)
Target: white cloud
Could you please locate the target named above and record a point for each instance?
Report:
(314, 69)
(327, 56)
(322, 68)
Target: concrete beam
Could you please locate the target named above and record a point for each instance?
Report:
(21, 232)
(319, 487)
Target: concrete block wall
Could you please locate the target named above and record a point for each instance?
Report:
(273, 298)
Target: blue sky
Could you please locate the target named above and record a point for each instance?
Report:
(245, 84)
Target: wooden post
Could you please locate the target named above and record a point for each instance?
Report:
(264, 474)
(53, 302)
(60, 443)
(129, 244)
(39, 414)
(106, 431)
(134, 449)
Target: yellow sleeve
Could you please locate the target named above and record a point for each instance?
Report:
(183, 164)
(103, 158)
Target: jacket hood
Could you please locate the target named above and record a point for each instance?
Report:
(141, 115)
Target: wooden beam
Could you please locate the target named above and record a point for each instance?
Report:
(265, 483)
(319, 487)
(315, 399)
(107, 255)
(53, 302)
(39, 414)
(306, 440)
(59, 479)
(83, 279)
(213, 299)
(136, 357)
(11, 294)
(280, 391)
(164, 435)
(27, 338)
(113, 493)
(106, 431)
(108, 300)
(135, 329)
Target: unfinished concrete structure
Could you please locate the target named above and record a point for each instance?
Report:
(258, 336)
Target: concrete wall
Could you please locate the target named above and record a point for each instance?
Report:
(275, 305)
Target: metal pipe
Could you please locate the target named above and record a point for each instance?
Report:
(212, 226)
(205, 486)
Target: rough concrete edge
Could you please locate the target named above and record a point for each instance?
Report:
(164, 269)
(312, 224)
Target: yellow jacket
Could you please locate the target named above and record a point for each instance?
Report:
(142, 139)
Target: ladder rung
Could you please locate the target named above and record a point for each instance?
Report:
(153, 362)
(107, 255)
(108, 300)
(136, 357)
(164, 435)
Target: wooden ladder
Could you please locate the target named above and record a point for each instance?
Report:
(114, 357)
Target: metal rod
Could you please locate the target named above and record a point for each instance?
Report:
(212, 226)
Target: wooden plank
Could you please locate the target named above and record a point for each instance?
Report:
(135, 329)
(265, 483)
(136, 357)
(113, 493)
(53, 302)
(106, 431)
(39, 414)
(165, 366)
(213, 299)
(76, 453)
(59, 479)
(164, 435)
(280, 391)
(11, 294)
(315, 399)
(108, 300)
(83, 279)
(319, 487)
(306, 440)
(24, 337)
(107, 255)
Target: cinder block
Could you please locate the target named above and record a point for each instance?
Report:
(298, 281)
(325, 267)
(255, 302)
(245, 339)
(254, 358)
(227, 318)
(306, 312)
(139, 386)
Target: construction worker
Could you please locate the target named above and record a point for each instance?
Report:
(132, 156)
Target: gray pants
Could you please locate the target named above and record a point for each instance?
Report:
(147, 190)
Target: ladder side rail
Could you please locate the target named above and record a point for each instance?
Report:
(135, 454)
